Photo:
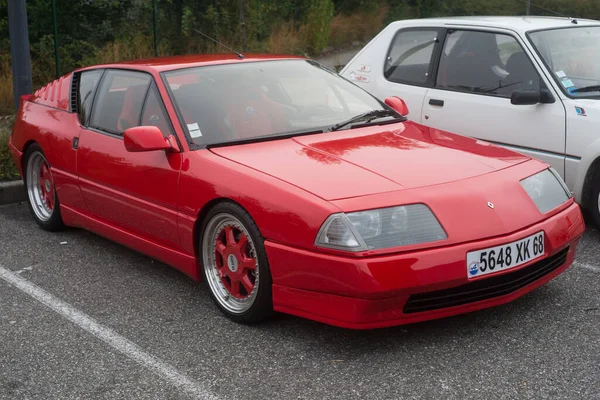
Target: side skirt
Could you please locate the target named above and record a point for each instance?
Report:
(183, 262)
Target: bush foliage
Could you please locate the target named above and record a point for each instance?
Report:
(8, 170)
(97, 31)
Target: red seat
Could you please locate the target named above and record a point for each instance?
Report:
(253, 114)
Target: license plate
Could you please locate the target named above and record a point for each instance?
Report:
(506, 256)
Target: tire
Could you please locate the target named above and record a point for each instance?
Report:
(593, 203)
(41, 191)
(235, 264)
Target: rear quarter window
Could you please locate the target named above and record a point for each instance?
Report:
(410, 55)
(88, 82)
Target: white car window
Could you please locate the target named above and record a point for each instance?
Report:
(485, 63)
(409, 57)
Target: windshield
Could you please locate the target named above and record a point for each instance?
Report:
(573, 57)
(231, 102)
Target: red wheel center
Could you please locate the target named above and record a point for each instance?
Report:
(235, 265)
(46, 186)
(232, 258)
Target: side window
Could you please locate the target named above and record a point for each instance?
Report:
(409, 57)
(119, 101)
(486, 63)
(88, 81)
(154, 113)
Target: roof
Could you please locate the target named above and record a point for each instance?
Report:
(519, 24)
(193, 60)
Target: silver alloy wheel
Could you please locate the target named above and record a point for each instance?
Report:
(230, 263)
(40, 186)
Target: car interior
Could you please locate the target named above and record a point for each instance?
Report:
(474, 64)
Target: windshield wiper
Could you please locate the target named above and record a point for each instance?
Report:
(591, 88)
(366, 117)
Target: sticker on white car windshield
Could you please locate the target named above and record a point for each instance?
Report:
(364, 68)
(567, 83)
(560, 74)
(194, 130)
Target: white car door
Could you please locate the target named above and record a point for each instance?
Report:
(407, 68)
(478, 73)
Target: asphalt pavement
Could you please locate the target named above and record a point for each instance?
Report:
(85, 318)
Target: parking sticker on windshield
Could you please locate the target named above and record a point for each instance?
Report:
(560, 74)
(567, 83)
(194, 130)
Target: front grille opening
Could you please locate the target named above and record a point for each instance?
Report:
(485, 288)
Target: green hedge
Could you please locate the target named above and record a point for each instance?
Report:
(8, 170)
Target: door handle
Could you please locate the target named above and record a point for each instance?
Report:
(435, 102)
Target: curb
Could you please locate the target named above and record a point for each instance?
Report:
(12, 192)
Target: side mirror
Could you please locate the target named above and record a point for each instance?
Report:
(397, 104)
(525, 97)
(147, 138)
(546, 96)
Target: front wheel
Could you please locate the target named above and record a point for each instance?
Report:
(235, 265)
(41, 192)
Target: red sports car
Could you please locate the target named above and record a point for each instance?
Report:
(288, 188)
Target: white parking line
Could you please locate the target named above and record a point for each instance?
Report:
(591, 267)
(107, 335)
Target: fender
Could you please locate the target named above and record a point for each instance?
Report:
(582, 140)
(590, 155)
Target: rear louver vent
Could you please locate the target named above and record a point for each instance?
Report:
(74, 86)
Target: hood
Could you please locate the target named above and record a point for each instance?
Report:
(372, 160)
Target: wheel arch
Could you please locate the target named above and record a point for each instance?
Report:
(202, 216)
(592, 173)
(588, 169)
(24, 152)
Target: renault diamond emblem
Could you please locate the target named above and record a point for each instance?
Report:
(490, 204)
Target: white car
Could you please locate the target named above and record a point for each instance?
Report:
(531, 84)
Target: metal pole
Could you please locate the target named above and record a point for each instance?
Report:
(243, 25)
(155, 28)
(527, 7)
(55, 23)
(19, 50)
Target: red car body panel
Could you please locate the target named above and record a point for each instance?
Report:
(154, 202)
(379, 159)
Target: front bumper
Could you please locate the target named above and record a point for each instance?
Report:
(372, 292)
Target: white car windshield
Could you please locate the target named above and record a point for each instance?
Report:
(243, 101)
(573, 57)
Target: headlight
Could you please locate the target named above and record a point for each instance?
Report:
(546, 189)
(380, 229)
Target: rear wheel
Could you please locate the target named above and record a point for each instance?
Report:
(41, 191)
(235, 265)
